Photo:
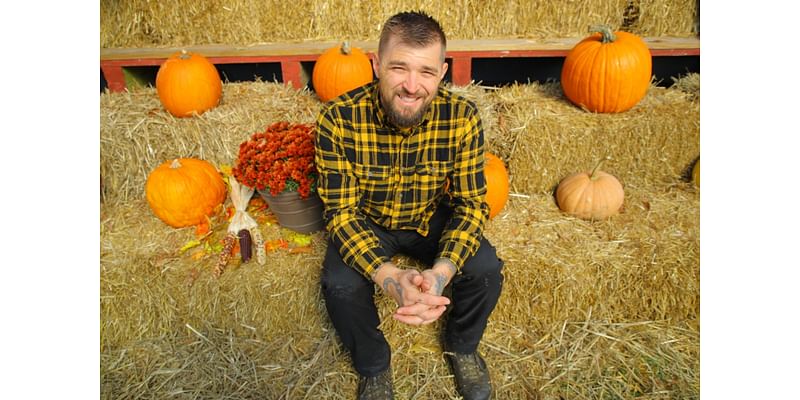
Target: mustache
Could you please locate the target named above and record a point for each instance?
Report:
(404, 92)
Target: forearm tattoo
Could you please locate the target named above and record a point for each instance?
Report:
(448, 263)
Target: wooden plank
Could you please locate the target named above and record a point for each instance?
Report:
(290, 55)
(510, 47)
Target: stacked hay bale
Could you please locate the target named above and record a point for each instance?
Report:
(242, 22)
(589, 309)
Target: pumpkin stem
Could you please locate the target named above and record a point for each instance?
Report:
(608, 35)
(175, 164)
(185, 55)
(596, 167)
(346, 48)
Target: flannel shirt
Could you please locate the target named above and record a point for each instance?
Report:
(370, 169)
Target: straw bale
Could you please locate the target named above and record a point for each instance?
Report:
(137, 134)
(590, 309)
(545, 138)
(243, 22)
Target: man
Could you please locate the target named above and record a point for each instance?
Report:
(401, 170)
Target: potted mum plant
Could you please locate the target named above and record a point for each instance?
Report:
(279, 164)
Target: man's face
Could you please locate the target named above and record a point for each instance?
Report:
(409, 78)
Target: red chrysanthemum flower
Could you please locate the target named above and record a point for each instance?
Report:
(279, 159)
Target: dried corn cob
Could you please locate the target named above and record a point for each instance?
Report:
(258, 242)
(225, 255)
(245, 245)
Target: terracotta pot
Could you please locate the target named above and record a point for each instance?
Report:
(300, 215)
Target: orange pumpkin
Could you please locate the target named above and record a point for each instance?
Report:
(187, 83)
(590, 195)
(182, 192)
(496, 184)
(339, 70)
(607, 72)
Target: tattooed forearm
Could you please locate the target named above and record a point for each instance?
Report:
(389, 282)
(448, 263)
(441, 280)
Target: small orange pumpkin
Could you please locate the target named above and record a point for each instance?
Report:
(607, 72)
(188, 83)
(182, 192)
(590, 195)
(496, 184)
(339, 70)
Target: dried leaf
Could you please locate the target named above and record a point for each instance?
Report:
(213, 248)
(300, 239)
(256, 204)
(198, 255)
(267, 219)
(202, 229)
(190, 244)
(272, 245)
(302, 249)
(226, 169)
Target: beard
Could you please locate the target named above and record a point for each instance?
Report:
(403, 117)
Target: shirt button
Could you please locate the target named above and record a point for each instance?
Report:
(399, 197)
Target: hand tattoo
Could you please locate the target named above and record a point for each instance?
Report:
(440, 283)
(389, 282)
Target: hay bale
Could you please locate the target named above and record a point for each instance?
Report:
(137, 134)
(589, 309)
(242, 22)
(545, 138)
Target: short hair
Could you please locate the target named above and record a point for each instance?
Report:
(412, 28)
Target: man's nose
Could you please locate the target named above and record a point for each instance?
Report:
(410, 84)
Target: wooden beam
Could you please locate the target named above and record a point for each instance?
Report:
(527, 47)
(290, 55)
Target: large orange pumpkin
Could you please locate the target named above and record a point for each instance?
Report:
(607, 72)
(182, 192)
(590, 195)
(188, 83)
(496, 184)
(339, 70)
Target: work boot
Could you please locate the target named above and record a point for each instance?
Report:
(376, 387)
(472, 376)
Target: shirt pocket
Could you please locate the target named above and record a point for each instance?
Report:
(374, 182)
(429, 179)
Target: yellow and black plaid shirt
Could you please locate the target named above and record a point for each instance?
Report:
(371, 169)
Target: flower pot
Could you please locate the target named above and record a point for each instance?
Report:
(300, 215)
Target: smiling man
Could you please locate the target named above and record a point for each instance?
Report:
(401, 171)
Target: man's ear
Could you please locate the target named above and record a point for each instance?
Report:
(444, 70)
(376, 64)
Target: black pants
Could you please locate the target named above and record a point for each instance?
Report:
(351, 307)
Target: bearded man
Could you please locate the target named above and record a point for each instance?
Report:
(401, 163)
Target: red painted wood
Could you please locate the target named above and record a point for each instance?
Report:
(675, 52)
(292, 72)
(115, 79)
(462, 70)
